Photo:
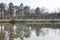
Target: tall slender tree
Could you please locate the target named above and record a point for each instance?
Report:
(27, 11)
(10, 9)
(2, 9)
(37, 10)
(20, 11)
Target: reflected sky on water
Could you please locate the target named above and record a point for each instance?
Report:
(29, 32)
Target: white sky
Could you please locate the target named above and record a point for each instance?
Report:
(49, 4)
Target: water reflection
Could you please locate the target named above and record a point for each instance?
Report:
(28, 31)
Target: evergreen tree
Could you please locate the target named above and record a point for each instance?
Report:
(2, 9)
(27, 11)
(37, 10)
(10, 9)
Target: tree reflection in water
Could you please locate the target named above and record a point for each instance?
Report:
(2, 36)
(27, 32)
(22, 31)
(37, 30)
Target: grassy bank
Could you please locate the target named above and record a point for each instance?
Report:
(31, 21)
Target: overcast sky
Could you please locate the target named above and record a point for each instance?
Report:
(49, 4)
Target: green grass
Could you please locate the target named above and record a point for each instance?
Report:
(32, 21)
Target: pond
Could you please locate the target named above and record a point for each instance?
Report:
(29, 31)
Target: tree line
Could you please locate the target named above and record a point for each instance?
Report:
(18, 12)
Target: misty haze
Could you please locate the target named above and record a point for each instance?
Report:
(29, 19)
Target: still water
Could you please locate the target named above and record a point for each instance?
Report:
(29, 32)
